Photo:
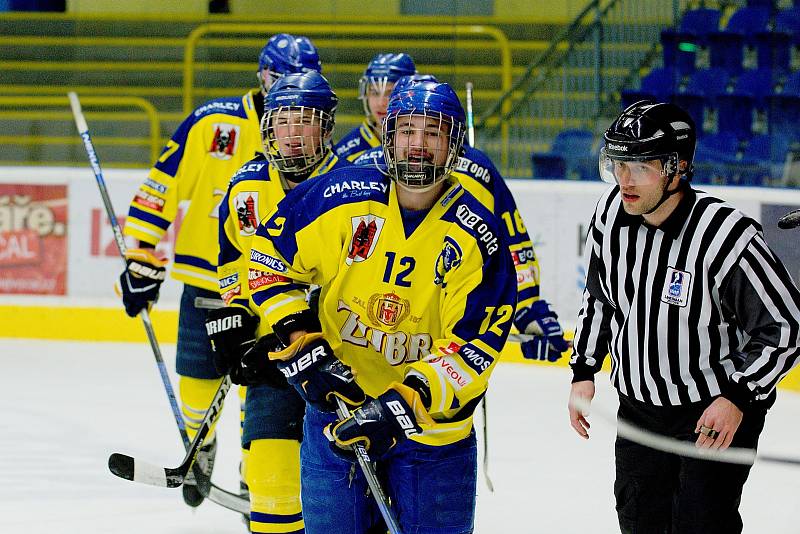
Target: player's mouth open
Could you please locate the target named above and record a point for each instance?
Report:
(629, 197)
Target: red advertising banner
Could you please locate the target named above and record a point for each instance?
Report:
(33, 239)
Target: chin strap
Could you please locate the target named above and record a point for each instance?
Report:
(666, 193)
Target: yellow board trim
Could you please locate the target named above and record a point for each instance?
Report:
(85, 323)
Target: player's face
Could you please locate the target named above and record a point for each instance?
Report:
(298, 132)
(421, 139)
(378, 100)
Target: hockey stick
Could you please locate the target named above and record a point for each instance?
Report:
(659, 442)
(129, 468)
(471, 140)
(224, 498)
(372, 479)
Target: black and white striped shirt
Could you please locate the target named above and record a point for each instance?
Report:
(693, 309)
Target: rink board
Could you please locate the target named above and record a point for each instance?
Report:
(555, 212)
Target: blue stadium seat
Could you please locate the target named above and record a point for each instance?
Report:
(570, 156)
(727, 47)
(700, 94)
(658, 85)
(784, 107)
(717, 148)
(736, 109)
(680, 45)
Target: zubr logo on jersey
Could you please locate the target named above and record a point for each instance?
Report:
(225, 138)
(366, 231)
(388, 309)
(397, 347)
(246, 203)
(449, 258)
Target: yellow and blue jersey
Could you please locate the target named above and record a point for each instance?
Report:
(357, 141)
(435, 300)
(476, 172)
(196, 165)
(254, 192)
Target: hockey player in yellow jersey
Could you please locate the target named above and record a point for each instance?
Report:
(196, 165)
(374, 90)
(296, 129)
(476, 172)
(417, 300)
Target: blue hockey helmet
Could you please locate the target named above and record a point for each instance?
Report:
(420, 161)
(383, 70)
(298, 122)
(286, 54)
(406, 81)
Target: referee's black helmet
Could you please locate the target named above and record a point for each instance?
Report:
(650, 130)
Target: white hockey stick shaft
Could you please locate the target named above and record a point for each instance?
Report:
(659, 442)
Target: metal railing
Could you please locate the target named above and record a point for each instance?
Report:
(587, 64)
(31, 108)
(475, 37)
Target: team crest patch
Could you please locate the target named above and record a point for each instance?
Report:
(223, 145)
(387, 309)
(449, 258)
(676, 287)
(245, 203)
(366, 230)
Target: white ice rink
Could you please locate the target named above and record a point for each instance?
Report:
(67, 406)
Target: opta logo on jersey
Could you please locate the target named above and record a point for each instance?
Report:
(470, 219)
(449, 258)
(676, 287)
(223, 144)
(246, 203)
(387, 309)
(366, 230)
(273, 264)
(470, 167)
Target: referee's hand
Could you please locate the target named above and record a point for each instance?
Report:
(577, 418)
(718, 424)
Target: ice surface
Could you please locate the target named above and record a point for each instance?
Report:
(67, 406)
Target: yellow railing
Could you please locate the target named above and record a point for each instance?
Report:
(150, 115)
(465, 31)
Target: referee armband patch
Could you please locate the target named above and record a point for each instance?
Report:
(676, 287)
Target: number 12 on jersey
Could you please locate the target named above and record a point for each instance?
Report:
(496, 317)
(406, 263)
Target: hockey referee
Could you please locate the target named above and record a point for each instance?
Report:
(700, 317)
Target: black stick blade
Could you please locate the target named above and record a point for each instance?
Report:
(128, 468)
(121, 465)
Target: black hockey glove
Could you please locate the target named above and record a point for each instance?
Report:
(258, 369)
(317, 374)
(232, 331)
(141, 280)
(548, 342)
(379, 424)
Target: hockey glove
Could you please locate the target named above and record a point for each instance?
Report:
(317, 374)
(258, 369)
(232, 331)
(380, 424)
(141, 280)
(548, 342)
